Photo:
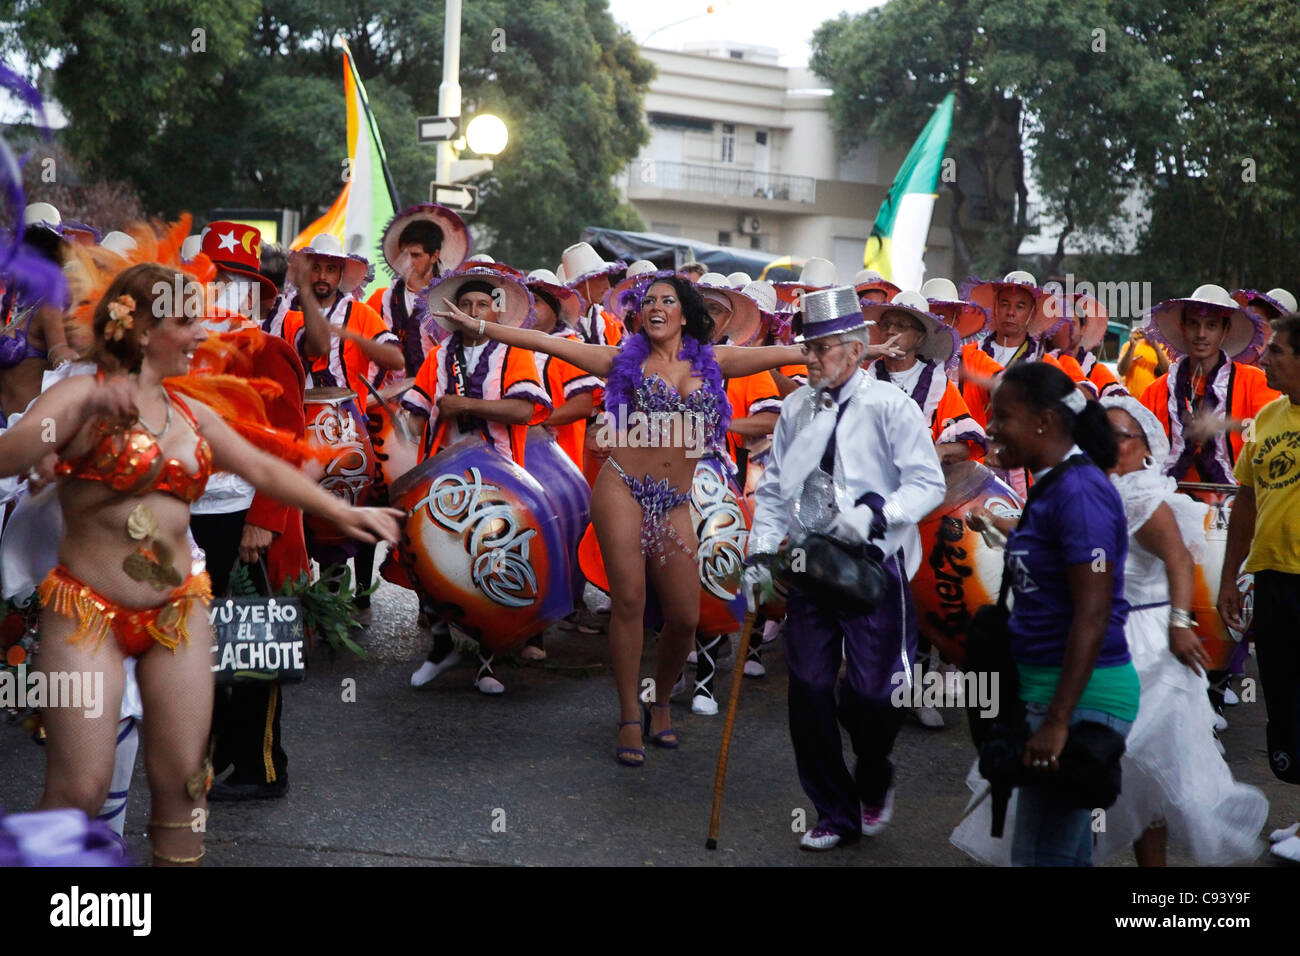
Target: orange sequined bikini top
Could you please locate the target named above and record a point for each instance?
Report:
(131, 461)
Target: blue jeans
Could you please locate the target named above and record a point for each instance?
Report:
(1048, 831)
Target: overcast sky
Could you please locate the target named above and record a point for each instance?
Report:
(783, 24)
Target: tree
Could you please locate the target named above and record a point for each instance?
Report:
(258, 118)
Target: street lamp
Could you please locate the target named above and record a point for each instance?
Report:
(487, 134)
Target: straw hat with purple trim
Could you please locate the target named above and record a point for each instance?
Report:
(966, 318)
(514, 301)
(1049, 308)
(868, 280)
(43, 215)
(817, 273)
(826, 312)
(570, 305)
(1165, 320)
(1085, 325)
(638, 273)
(940, 343)
(739, 280)
(1262, 307)
(581, 262)
(327, 246)
(456, 240)
(746, 323)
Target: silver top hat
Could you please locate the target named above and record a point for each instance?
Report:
(830, 312)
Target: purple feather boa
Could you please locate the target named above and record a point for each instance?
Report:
(626, 374)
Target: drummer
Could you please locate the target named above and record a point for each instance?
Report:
(419, 244)
(558, 310)
(930, 356)
(470, 385)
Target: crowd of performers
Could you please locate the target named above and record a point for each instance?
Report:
(917, 433)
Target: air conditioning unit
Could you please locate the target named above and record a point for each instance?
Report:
(750, 225)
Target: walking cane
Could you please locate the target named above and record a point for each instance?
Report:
(737, 678)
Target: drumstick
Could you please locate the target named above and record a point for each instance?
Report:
(737, 678)
(399, 421)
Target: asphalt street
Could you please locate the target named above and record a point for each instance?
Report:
(447, 776)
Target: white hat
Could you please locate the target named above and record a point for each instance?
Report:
(638, 273)
(869, 279)
(570, 304)
(1165, 319)
(739, 279)
(120, 243)
(966, 317)
(1049, 308)
(761, 291)
(940, 342)
(817, 273)
(746, 322)
(480, 257)
(581, 262)
(327, 246)
(190, 247)
(515, 299)
(456, 239)
(43, 214)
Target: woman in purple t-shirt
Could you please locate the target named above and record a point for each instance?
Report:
(1066, 559)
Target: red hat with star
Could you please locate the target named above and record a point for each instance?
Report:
(236, 248)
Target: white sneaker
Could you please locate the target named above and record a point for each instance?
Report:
(755, 669)
(1286, 833)
(818, 839)
(875, 819)
(772, 630)
(532, 652)
(1220, 722)
(487, 684)
(1230, 698)
(1288, 849)
(929, 717)
(429, 670)
(704, 705)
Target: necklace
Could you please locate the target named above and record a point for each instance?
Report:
(166, 424)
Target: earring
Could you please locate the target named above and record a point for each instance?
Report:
(1040, 431)
(1148, 461)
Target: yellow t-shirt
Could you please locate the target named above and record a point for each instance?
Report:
(1143, 370)
(1271, 465)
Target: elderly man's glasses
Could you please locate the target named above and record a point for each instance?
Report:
(819, 349)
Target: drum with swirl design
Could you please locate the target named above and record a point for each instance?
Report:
(484, 541)
(568, 490)
(959, 572)
(334, 421)
(722, 519)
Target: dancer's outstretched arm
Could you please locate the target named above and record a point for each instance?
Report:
(596, 359)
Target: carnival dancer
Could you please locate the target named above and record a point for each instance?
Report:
(665, 375)
(1263, 531)
(32, 337)
(419, 245)
(1206, 397)
(129, 485)
(470, 385)
(930, 356)
(232, 522)
(851, 457)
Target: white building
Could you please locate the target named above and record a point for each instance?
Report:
(743, 153)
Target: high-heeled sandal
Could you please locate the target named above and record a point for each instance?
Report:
(632, 751)
(660, 739)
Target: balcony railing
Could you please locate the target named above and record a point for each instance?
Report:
(721, 181)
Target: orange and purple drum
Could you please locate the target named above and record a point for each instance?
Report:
(569, 492)
(959, 572)
(1220, 641)
(395, 441)
(484, 542)
(334, 422)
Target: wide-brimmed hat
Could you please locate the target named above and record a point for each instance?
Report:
(739, 280)
(235, 248)
(327, 246)
(1085, 324)
(868, 280)
(544, 280)
(817, 273)
(81, 233)
(966, 318)
(746, 323)
(457, 243)
(828, 312)
(119, 243)
(515, 299)
(940, 343)
(43, 215)
(1165, 320)
(638, 273)
(1279, 300)
(581, 262)
(1049, 308)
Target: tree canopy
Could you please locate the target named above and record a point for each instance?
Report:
(248, 110)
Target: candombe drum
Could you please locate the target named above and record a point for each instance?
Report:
(1218, 639)
(483, 540)
(334, 422)
(722, 519)
(568, 490)
(959, 572)
(396, 450)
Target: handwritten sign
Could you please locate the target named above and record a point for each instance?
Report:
(258, 639)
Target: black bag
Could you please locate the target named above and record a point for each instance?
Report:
(834, 572)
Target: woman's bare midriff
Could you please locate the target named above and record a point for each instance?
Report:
(658, 463)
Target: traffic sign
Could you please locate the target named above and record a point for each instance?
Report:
(458, 196)
(436, 129)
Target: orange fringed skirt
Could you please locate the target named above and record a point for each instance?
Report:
(136, 629)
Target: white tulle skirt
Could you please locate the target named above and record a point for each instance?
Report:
(1172, 771)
